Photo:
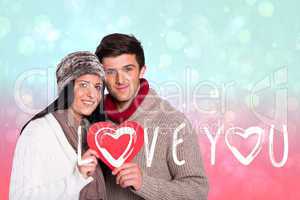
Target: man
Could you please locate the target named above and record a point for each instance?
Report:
(169, 165)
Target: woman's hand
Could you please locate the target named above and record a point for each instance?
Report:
(88, 169)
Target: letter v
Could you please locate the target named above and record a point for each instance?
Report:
(149, 154)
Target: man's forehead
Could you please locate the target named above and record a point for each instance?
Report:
(118, 67)
(120, 61)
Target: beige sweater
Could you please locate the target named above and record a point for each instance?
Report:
(164, 179)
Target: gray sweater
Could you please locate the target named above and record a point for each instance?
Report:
(164, 179)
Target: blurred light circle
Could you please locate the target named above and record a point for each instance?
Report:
(293, 103)
(266, 9)
(26, 46)
(245, 36)
(5, 26)
(175, 40)
(250, 2)
(165, 61)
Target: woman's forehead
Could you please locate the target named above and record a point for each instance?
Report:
(92, 78)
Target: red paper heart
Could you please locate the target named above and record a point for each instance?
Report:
(116, 144)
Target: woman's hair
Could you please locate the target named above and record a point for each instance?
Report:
(64, 101)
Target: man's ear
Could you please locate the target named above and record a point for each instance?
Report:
(142, 71)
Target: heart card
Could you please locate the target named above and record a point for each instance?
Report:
(116, 144)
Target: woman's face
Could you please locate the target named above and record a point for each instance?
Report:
(87, 94)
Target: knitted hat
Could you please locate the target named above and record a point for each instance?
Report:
(77, 64)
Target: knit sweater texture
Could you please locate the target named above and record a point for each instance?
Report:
(163, 178)
(45, 164)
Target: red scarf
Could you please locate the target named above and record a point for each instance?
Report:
(111, 110)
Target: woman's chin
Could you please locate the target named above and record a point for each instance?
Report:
(87, 113)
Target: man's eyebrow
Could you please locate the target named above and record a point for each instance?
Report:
(129, 65)
(113, 68)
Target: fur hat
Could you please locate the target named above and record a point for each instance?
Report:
(77, 64)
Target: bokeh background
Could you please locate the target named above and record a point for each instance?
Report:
(230, 63)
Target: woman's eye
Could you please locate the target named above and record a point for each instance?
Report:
(83, 85)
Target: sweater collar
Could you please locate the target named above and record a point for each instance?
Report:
(110, 106)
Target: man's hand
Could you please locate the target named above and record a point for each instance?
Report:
(88, 169)
(129, 174)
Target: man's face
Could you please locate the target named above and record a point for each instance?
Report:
(122, 74)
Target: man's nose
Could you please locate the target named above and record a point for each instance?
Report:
(120, 78)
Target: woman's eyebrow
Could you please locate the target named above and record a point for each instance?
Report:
(83, 81)
(90, 82)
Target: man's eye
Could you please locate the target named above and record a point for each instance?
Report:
(99, 87)
(128, 69)
(110, 72)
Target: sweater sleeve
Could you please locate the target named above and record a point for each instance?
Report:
(188, 180)
(28, 172)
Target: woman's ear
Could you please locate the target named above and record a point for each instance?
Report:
(142, 71)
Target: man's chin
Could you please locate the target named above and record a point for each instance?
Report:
(122, 98)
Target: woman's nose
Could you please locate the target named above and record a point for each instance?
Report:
(92, 92)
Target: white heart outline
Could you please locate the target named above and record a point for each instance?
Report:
(245, 134)
(117, 133)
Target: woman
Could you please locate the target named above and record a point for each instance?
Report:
(45, 160)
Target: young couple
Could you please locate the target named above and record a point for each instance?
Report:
(45, 160)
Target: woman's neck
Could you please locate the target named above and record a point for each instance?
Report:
(74, 117)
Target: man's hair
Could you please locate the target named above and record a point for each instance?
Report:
(116, 44)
